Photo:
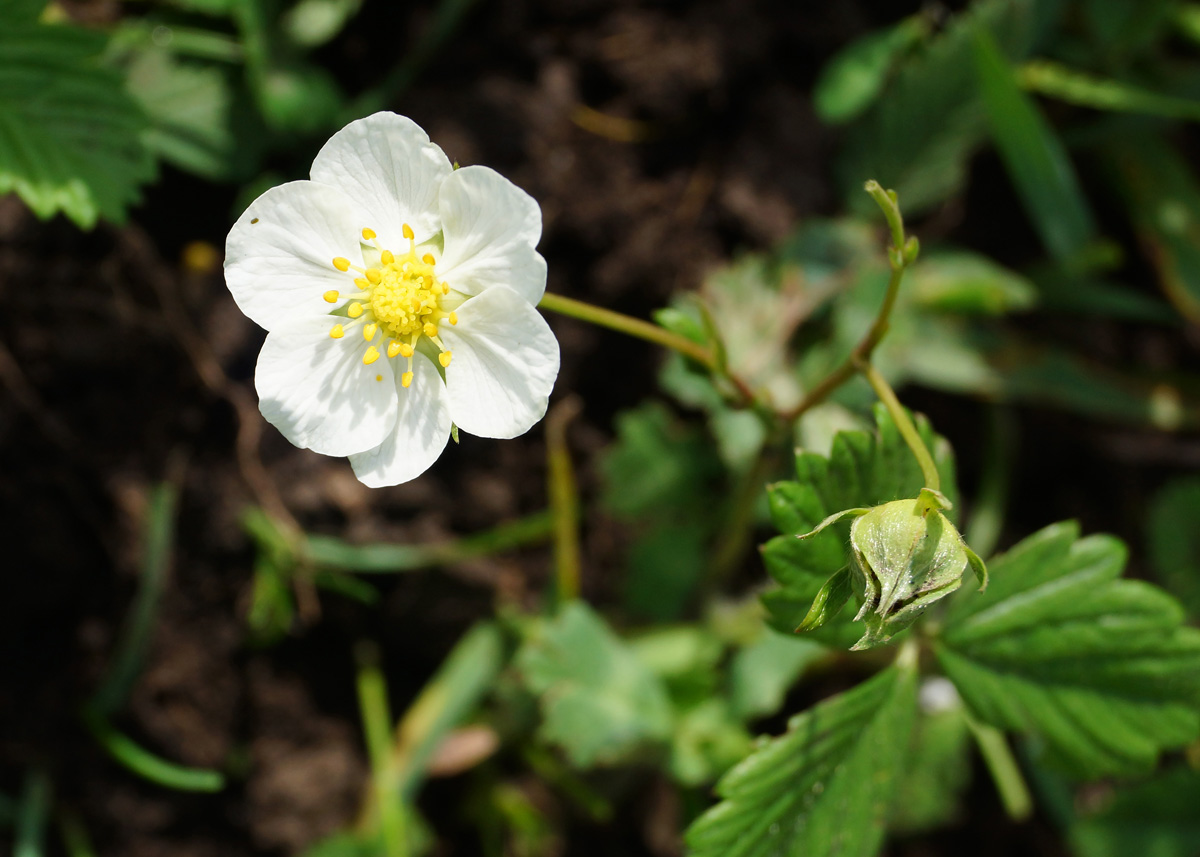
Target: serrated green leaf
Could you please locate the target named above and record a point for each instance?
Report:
(1173, 539)
(599, 703)
(918, 137)
(863, 469)
(939, 767)
(824, 787)
(70, 136)
(1097, 667)
(1156, 818)
(1036, 160)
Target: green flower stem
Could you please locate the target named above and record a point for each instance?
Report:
(905, 424)
(564, 500)
(901, 254)
(145, 764)
(1006, 774)
(377, 728)
(630, 326)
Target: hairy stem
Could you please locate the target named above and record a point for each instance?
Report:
(905, 425)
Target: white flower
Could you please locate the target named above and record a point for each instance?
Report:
(398, 294)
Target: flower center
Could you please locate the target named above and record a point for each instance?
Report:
(400, 301)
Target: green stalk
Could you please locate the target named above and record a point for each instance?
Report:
(30, 837)
(145, 764)
(1006, 774)
(564, 501)
(904, 423)
(630, 326)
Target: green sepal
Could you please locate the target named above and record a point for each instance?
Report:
(833, 519)
(829, 601)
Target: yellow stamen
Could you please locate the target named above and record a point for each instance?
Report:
(331, 296)
(393, 348)
(361, 282)
(454, 318)
(428, 259)
(355, 310)
(444, 359)
(368, 234)
(336, 332)
(387, 257)
(369, 332)
(341, 263)
(445, 288)
(430, 329)
(378, 377)
(371, 356)
(406, 380)
(374, 276)
(408, 233)
(406, 350)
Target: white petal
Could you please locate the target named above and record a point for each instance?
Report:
(420, 435)
(491, 229)
(505, 360)
(387, 165)
(317, 391)
(279, 255)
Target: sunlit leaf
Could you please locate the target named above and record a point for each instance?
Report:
(1099, 668)
(826, 786)
(850, 82)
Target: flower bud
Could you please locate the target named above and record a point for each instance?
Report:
(905, 555)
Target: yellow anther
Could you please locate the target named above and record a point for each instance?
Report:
(428, 259)
(387, 257)
(454, 318)
(444, 359)
(341, 263)
(369, 332)
(378, 377)
(355, 310)
(368, 234)
(371, 356)
(406, 350)
(336, 332)
(361, 282)
(408, 233)
(393, 348)
(445, 288)
(331, 296)
(374, 276)
(415, 303)
(406, 380)
(430, 329)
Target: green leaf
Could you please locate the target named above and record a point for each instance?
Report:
(1036, 160)
(863, 469)
(1164, 201)
(314, 22)
(70, 136)
(761, 673)
(939, 766)
(1055, 80)
(851, 81)
(1099, 668)
(963, 282)
(918, 137)
(1155, 818)
(824, 787)
(1173, 539)
(599, 703)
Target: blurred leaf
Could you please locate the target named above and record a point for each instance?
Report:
(1036, 160)
(189, 110)
(852, 80)
(919, 135)
(964, 282)
(1075, 87)
(1156, 818)
(206, 7)
(761, 673)
(706, 741)
(824, 787)
(32, 813)
(314, 22)
(1097, 667)
(145, 764)
(22, 11)
(1122, 26)
(599, 703)
(70, 136)
(939, 766)
(863, 469)
(1173, 539)
(297, 98)
(1165, 206)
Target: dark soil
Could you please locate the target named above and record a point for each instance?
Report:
(122, 364)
